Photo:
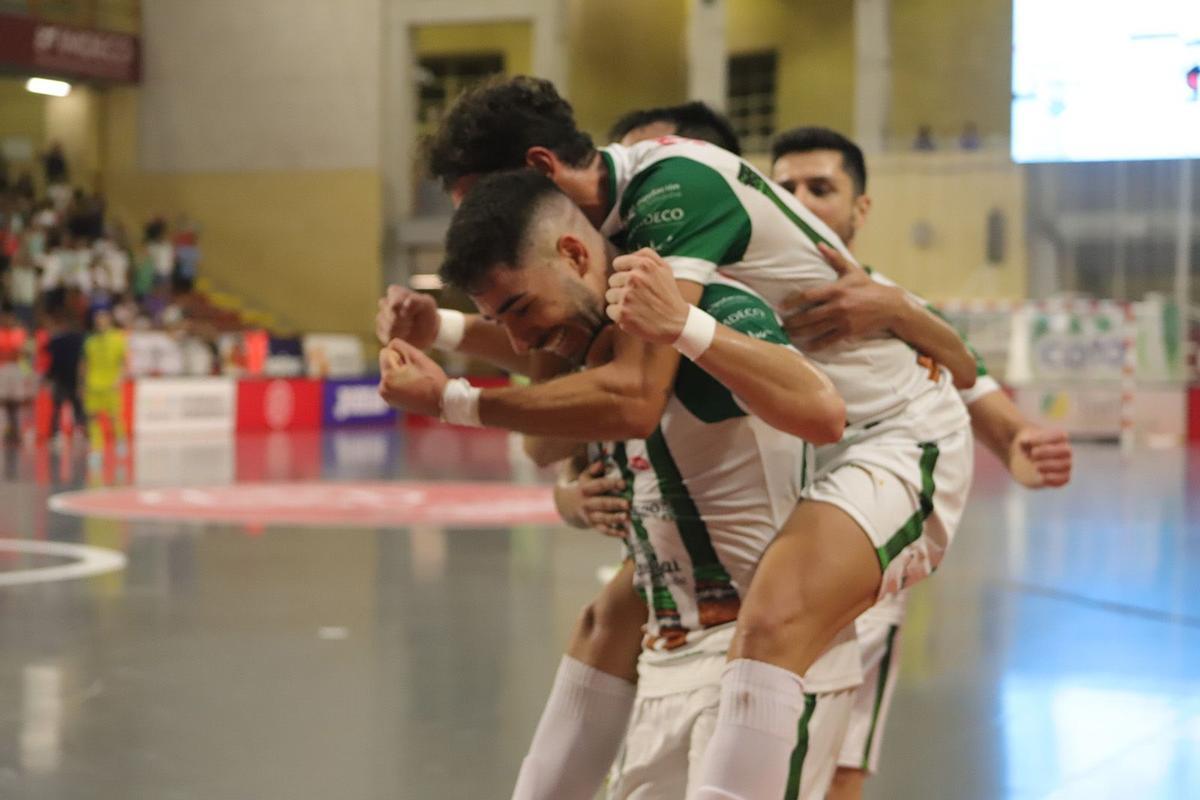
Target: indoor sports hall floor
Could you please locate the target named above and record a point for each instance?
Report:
(1055, 655)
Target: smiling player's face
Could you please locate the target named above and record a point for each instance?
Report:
(554, 304)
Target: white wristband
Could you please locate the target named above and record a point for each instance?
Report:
(697, 334)
(460, 403)
(452, 326)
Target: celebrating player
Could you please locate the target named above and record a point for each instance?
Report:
(886, 498)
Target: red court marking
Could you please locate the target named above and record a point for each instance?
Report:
(396, 504)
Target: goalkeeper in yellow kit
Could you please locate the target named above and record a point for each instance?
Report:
(103, 372)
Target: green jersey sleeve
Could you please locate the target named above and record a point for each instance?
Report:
(689, 214)
(737, 308)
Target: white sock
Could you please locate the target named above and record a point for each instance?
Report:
(750, 753)
(579, 734)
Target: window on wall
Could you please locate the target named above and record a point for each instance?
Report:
(440, 79)
(751, 100)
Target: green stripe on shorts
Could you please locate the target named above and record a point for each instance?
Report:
(910, 531)
(801, 751)
(885, 667)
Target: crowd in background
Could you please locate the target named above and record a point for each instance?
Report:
(69, 273)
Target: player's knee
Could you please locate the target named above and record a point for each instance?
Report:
(847, 784)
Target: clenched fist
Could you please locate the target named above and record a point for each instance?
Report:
(643, 299)
(1041, 458)
(407, 315)
(410, 380)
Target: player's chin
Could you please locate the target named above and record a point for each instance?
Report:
(566, 342)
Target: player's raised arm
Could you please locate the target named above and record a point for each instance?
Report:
(771, 379)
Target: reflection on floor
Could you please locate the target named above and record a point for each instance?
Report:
(1055, 655)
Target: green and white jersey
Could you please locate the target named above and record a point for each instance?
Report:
(985, 384)
(708, 491)
(707, 212)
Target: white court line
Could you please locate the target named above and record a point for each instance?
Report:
(88, 561)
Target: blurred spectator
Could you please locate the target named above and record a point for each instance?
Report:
(14, 372)
(925, 141)
(24, 187)
(970, 140)
(58, 187)
(54, 267)
(187, 254)
(65, 350)
(23, 289)
(161, 253)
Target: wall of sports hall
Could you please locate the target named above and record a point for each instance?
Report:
(288, 143)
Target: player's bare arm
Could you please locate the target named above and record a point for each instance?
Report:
(1036, 457)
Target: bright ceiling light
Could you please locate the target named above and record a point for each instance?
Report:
(48, 86)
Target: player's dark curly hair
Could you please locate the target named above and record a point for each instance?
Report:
(806, 140)
(694, 120)
(491, 126)
(488, 229)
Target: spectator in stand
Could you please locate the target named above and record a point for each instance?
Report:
(14, 373)
(161, 253)
(65, 350)
(23, 288)
(143, 277)
(970, 139)
(24, 186)
(104, 370)
(58, 187)
(54, 268)
(187, 254)
(925, 141)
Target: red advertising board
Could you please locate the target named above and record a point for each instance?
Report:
(50, 48)
(292, 404)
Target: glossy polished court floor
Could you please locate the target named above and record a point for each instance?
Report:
(1055, 655)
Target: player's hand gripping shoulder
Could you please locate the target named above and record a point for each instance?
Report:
(856, 307)
(407, 315)
(411, 380)
(852, 307)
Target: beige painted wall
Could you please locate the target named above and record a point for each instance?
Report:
(624, 54)
(815, 43)
(951, 196)
(951, 62)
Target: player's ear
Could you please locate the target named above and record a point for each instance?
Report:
(862, 209)
(575, 252)
(542, 159)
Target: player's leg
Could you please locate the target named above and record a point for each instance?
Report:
(879, 642)
(814, 579)
(588, 710)
(653, 762)
(813, 762)
(12, 433)
(116, 415)
(92, 404)
(887, 512)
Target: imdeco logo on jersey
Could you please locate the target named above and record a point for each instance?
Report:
(664, 216)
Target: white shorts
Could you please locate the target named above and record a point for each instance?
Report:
(879, 641)
(15, 384)
(668, 734)
(907, 494)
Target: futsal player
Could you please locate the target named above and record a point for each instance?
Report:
(886, 498)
